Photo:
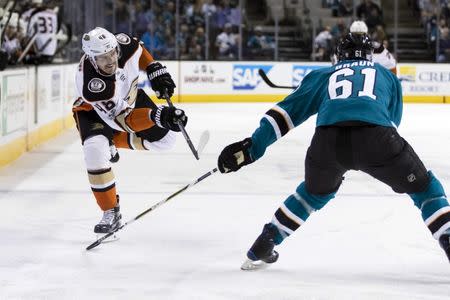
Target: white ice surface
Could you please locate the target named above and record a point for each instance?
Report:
(368, 243)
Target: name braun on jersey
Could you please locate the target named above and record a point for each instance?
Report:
(361, 63)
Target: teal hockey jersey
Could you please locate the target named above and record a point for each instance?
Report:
(353, 90)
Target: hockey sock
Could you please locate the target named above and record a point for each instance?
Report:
(104, 188)
(295, 210)
(434, 206)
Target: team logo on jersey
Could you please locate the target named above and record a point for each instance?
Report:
(246, 77)
(96, 85)
(123, 38)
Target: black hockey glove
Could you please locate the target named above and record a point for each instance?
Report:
(160, 80)
(168, 117)
(234, 156)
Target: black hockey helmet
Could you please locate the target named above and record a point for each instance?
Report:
(355, 46)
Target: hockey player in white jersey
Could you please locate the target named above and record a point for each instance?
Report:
(42, 26)
(380, 54)
(111, 112)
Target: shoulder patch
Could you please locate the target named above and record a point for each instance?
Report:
(123, 39)
(128, 46)
(96, 85)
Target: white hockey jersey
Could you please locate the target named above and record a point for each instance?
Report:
(112, 97)
(11, 46)
(43, 22)
(382, 56)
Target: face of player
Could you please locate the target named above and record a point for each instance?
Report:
(108, 62)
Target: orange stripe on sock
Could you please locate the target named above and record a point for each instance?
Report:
(121, 140)
(107, 199)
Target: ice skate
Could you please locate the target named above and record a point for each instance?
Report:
(444, 241)
(110, 221)
(261, 253)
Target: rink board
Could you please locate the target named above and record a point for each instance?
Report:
(36, 101)
(35, 106)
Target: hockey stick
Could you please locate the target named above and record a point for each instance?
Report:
(100, 240)
(270, 83)
(27, 48)
(183, 130)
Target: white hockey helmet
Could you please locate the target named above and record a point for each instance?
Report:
(359, 27)
(98, 41)
(37, 1)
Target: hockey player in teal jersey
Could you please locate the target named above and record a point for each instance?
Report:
(359, 106)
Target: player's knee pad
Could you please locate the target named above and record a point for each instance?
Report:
(97, 153)
(165, 143)
(316, 202)
(432, 198)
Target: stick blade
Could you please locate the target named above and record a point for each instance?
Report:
(93, 245)
(204, 139)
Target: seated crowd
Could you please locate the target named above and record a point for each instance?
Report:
(25, 38)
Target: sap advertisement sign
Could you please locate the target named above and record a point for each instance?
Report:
(246, 77)
(299, 72)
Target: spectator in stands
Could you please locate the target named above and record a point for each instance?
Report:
(235, 16)
(345, 8)
(197, 19)
(260, 44)
(153, 41)
(188, 8)
(432, 30)
(363, 10)
(379, 35)
(169, 41)
(226, 42)
(445, 9)
(123, 17)
(427, 11)
(322, 45)
(341, 8)
(209, 8)
(168, 14)
(222, 15)
(374, 19)
(339, 29)
(197, 53)
(11, 43)
(183, 35)
(443, 26)
(144, 16)
(444, 46)
(199, 38)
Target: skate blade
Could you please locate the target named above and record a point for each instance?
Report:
(253, 265)
(111, 239)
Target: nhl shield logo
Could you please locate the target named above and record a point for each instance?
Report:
(96, 85)
(123, 38)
